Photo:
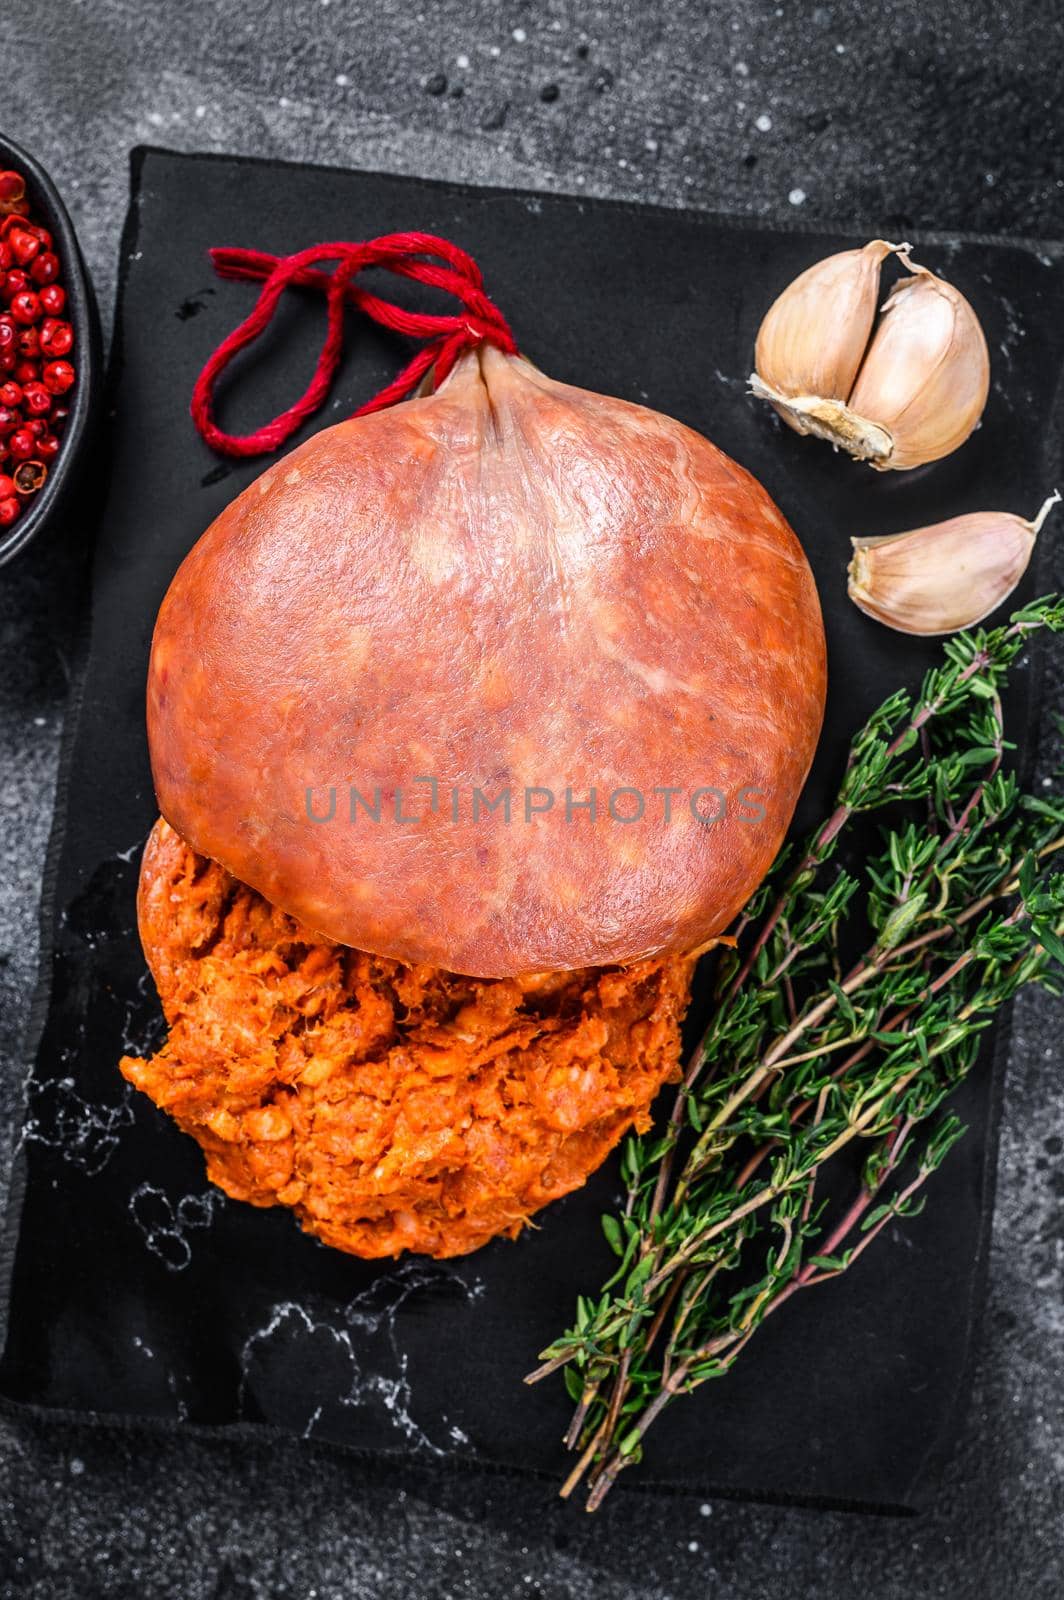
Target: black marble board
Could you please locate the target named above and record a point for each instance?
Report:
(139, 1294)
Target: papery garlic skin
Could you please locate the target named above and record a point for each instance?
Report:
(926, 376)
(947, 576)
(904, 394)
(830, 420)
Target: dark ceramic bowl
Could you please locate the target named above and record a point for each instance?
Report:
(67, 470)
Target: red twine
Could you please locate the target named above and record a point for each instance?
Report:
(401, 253)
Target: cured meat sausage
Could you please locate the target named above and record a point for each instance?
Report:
(511, 588)
(392, 1108)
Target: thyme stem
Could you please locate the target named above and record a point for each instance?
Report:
(803, 1060)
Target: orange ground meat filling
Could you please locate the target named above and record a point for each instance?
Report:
(391, 1107)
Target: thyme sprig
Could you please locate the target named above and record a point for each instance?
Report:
(812, 1053)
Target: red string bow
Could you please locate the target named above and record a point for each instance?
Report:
(401, 253)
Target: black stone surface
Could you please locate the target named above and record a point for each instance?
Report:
(895, 114)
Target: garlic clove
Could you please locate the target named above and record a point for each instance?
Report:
(926, 376)
(947, 576)
(811, 344)
(815, 334)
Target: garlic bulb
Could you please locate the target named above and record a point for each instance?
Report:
(947, 576)
(910, 396)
